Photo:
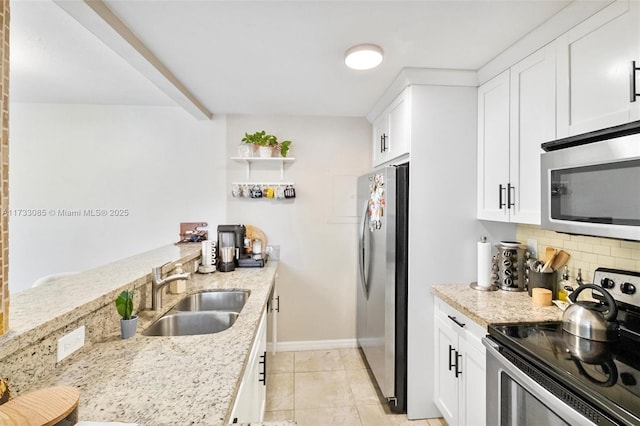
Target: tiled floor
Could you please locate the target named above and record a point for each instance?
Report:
(327, 388)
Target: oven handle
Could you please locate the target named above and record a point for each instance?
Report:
(497, 365)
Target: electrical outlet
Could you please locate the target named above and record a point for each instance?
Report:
(273, 251)
(71, 342)
(532, 246)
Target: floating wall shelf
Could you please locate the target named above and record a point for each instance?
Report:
(264, 160)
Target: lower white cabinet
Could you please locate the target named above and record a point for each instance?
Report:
(252, 394)
(460, 382)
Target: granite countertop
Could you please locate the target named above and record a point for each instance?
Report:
(37, 312)
(170, 380)
(494, 307)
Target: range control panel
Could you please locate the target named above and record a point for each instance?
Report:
(624, 286)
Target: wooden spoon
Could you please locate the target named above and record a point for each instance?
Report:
(547, 266)
(560, 260)
(549, 253)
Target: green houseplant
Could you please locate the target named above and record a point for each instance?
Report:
(128, 321)
(262, 139)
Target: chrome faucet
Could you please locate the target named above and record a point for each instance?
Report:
(157, 284)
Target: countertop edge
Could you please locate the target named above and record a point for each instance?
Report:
(494, 307)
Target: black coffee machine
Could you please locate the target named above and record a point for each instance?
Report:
(230, 239)
(235, 236)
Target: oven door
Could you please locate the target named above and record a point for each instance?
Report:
(514, 398)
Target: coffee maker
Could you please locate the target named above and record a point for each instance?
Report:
(232, 240)
(230, 246)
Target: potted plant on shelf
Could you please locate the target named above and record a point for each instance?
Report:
(267, 143)
(128, 321)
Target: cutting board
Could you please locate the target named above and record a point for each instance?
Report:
(253, 232)
(39, 408)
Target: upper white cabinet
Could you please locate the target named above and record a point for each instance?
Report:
(392, 130)
(460, 372)
(533, 122)
(594, 62)
(493, 148)
(516, 114)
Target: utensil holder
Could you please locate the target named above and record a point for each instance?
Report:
(543, 280)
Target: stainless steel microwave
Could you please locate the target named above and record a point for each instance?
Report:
(591, 184)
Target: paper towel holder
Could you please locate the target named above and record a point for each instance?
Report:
(474, 285)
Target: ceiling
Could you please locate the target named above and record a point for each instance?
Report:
(259, 57)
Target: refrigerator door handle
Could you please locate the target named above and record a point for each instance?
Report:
(362, 261)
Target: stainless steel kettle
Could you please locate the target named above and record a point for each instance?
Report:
(591, 320)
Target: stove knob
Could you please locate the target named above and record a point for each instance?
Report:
(628, 288)
(607, 283)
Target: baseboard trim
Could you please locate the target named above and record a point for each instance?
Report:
(313, 345)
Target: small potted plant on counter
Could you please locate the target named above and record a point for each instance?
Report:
(266, 143)
(128, 321)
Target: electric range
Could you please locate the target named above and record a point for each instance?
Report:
(574, 380)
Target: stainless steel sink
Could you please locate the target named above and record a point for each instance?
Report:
(191, 323)
(219, 300)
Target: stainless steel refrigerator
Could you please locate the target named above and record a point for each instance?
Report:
(381, 327)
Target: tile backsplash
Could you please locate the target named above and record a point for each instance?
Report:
(587, 253)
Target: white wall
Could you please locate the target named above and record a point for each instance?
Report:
(318, 257)
(159, 163)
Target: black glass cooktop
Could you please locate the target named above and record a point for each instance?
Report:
(608, 374)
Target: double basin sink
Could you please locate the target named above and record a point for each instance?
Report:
(200, 313)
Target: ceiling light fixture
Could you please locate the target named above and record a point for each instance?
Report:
(363, 56)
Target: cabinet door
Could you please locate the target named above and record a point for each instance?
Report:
(446, 382)
(472, 383)
(380, 139)
(261, 379)
(593, 70)
(493, 148)
(251, 398)
(533, 121)
(399, 114)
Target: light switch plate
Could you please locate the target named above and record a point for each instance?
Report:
(71, 342)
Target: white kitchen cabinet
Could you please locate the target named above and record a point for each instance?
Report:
(392, 130)
(594, 61)
(460, 371)
(516, 114)
(493, 148)
(250, 402)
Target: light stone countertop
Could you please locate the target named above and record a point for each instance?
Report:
(170, 380)
(495, 307)
(36, 312)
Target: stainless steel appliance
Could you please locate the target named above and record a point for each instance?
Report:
(538, 373)
(590, 183)
(383, 269)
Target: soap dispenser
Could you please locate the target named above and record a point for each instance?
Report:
(564, 286)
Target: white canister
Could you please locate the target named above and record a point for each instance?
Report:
(257, 246)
